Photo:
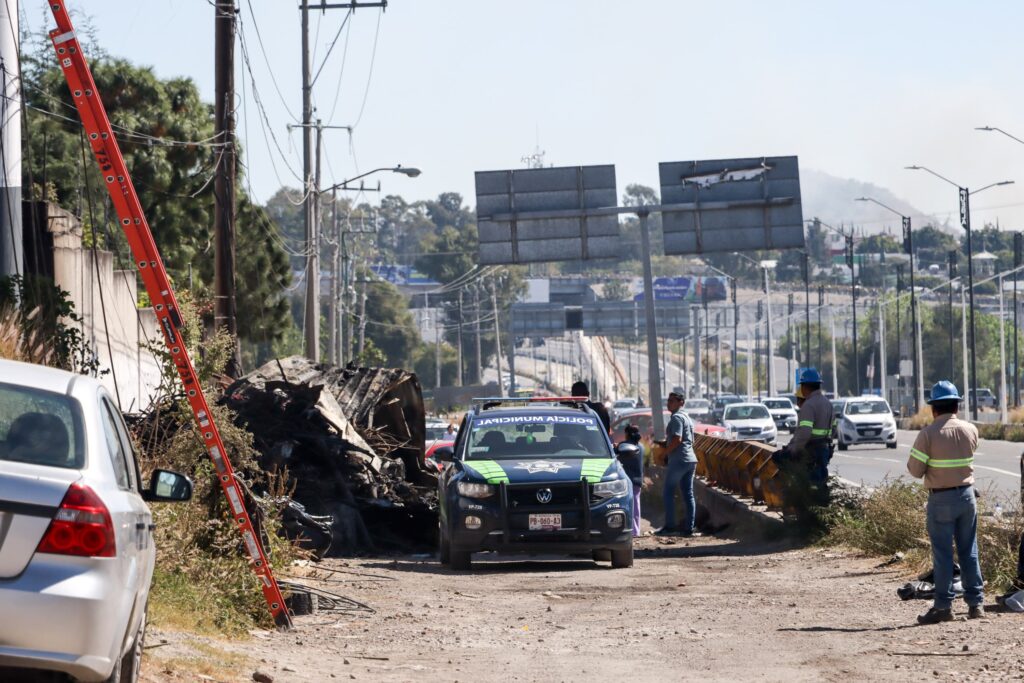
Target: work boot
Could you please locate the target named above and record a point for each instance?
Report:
(691, 534)
(935, 616)
(976, 612)
(667, 531)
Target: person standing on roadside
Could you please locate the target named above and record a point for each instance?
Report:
(682, 465)
(943, 455)
(632, 460)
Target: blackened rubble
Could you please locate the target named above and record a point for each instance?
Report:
(352, 441)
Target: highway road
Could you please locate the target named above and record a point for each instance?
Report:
(996, 464)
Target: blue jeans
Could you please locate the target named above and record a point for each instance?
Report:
(636, 509)
(680, 474)
(953, 518)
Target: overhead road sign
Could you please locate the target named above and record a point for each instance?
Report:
(505, 238)
(626, 318)
(725, 205)
(537, 320)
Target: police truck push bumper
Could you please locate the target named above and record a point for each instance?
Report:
(517, 520)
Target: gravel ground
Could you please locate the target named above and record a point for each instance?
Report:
(704, 608)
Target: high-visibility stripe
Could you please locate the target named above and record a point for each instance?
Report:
(490, 470)
(949, 464)
(593, 469)
(821, 432)
(919, 455)
(806, 423)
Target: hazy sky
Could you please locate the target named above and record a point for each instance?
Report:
(856, 89)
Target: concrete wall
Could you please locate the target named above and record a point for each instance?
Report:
(137, 371)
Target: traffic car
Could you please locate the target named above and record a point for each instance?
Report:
(621, 405)
(837, 410)
(986, 399)
(533, 476)
(718, 407)
(76, 546)
(782, 412)
(698, 408)
(749, 422)
(865, 419)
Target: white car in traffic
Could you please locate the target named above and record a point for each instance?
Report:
(76, 535)
(782, 412)
(865, 419)
(749, 422)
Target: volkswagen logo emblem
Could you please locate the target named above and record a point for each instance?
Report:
(544, 496)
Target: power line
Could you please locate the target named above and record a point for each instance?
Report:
(369, 77)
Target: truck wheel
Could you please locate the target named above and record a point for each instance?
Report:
(623, 557)
(461, 559)
(602, 555)
(841, 444)
(891, 444)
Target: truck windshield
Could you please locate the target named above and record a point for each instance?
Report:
(499, 437)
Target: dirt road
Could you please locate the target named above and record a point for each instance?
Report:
(707, 608)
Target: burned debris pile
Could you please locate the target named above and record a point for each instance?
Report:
(351, 440)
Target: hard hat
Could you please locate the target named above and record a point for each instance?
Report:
(810, 376)
(944, 391)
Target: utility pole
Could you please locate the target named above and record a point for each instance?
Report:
(224, 302)
(853, 296)
(462, 377)
(312, 307)
(952, 256)
(735, 338)
(835, 363)
(771, 349)
(821, 305)
(12, 255)
(310, 185)
(807, 307)
(1018, 253)
(476, 333)
(334, 347)
(908, 244)
(497, 342)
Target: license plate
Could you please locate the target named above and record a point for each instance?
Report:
(545, 522)
(870, 432)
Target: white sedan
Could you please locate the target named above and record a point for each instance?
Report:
(76, 545)
(865, 419)
(749, 422)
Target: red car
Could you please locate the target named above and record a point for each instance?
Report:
(642, 419)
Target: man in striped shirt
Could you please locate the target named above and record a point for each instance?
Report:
(943, 455)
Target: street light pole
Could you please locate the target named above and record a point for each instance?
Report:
(807, 307)
(908, 247)
(952, 275)
(965, 222)
(653, 371)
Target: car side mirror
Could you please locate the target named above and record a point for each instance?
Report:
(627, 448)
(896, 414)
(444, 454)
(167, 487)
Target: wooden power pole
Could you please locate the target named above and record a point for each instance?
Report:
(225, 305)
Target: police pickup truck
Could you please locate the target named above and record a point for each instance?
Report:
(534, 475)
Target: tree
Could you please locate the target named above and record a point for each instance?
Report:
(615, 290)
(162, 127)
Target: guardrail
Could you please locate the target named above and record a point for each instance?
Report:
(741, 467)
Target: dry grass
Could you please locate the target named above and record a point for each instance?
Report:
(922, 419)
(21, 340)
(891, 519)
(1017, 415)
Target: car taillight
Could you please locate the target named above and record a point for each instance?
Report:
(82, 526)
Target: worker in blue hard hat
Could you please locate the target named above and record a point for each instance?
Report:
(943, 455)
(812, 440)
